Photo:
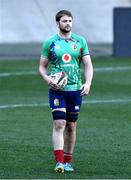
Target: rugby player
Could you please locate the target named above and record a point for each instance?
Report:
(64, 52)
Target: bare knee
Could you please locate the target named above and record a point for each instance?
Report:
(70, 127)
(59, 125)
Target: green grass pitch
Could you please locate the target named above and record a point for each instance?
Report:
(103, 146)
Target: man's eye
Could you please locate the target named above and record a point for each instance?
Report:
(64, 21)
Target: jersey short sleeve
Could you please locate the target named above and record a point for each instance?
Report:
(45, 49)
(85, 50)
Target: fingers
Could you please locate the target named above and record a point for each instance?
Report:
(85, 90)
(54, 86)
(51, 83)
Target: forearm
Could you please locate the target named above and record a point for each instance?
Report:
(43, 72)
(88, 74)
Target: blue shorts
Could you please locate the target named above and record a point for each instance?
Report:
(70, 100)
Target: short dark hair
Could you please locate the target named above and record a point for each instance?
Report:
(62, 13)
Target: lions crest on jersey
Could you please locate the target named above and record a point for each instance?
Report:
(74, 47)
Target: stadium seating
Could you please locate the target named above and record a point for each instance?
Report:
(25, 24)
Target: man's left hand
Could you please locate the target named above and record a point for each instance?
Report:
(85, 89)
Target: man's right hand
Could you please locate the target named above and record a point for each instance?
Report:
(51, 83)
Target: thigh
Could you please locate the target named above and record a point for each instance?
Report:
(57, 100)
(74, 101)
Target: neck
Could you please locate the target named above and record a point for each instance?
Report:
(64, 35)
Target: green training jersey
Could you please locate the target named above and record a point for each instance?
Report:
(65, 54)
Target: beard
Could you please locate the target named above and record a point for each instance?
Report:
(66, 29)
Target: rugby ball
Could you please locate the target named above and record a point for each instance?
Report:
(60, 78)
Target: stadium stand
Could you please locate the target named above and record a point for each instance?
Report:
(25, 24)
(122, 32)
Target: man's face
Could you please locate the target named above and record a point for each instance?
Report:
(65, 24)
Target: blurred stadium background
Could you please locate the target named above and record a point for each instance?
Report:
(103, 147)
(25, 24)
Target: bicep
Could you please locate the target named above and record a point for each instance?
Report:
(86, 60)
(43, 61)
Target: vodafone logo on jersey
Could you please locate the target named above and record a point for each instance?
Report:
(66, 58)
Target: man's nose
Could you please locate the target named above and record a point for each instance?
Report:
(68, 22)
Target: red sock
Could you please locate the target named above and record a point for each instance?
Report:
(67, 157)
(59, 155)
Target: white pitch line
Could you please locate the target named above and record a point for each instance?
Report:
(84, 102)
(7, 74)
(103, 69)
(119, 68)
(107, 101)
(22, 105)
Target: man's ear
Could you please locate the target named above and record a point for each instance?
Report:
(57, 23)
